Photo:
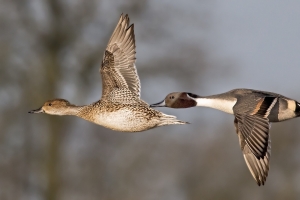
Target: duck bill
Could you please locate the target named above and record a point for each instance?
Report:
(159, 104)
(39, 110)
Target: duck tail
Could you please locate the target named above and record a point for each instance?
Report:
(170, 119)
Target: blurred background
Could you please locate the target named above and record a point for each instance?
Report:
(53, 49)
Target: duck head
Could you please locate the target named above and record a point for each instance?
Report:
(178, 100)
(53, 107)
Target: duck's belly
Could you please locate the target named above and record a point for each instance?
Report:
(125, 120)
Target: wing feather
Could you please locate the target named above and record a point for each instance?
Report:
(255, 131)
(254, 123)
(258, 167)
(118, 68)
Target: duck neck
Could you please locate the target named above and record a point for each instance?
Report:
(219, 102)
(73, 110)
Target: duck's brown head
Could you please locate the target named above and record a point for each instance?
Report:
(178, 100)
(53, 107)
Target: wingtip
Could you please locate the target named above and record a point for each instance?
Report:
(126, 18)
(261, 180)
(260, 183)
(121, 17)
(131, 26)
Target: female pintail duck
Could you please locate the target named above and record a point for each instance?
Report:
(120, 107)
(253, 111)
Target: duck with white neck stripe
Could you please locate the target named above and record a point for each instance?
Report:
(254, 110)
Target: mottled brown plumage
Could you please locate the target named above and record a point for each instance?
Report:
(120, 107)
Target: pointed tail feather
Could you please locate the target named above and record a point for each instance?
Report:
(170, 119)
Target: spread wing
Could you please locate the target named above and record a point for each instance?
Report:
(118, 66)
(254, 125)
(255, 133)
(259, 167)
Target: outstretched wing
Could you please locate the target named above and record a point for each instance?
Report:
(259, 167)
(255, 133)
(254, 125)
(118, 66)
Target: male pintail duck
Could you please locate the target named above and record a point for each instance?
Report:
(120, 107)
(253, 111)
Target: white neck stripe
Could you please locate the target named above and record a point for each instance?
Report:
(219, 104)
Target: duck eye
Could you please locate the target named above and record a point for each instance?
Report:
(50, 104)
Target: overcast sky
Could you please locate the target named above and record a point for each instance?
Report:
(263, 37)
(260, 41)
